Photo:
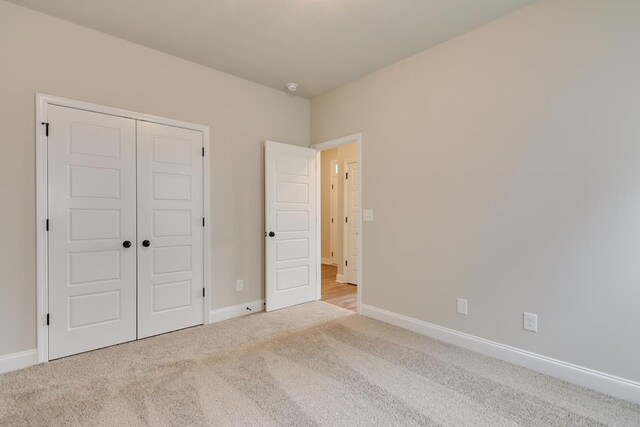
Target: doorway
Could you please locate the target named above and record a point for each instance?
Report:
(295, 225)
(340, 222)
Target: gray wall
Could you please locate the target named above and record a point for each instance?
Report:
(504, 167)
(39, 53)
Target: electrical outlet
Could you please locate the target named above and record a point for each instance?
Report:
(239, 285)
(530, 322)
(462, 306)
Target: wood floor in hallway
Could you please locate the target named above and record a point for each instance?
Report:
(340, 294)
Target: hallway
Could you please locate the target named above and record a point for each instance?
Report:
(340, 294)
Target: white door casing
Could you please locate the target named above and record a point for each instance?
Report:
(351, 231)
(170, 219)
(291, 205)
(92, 211)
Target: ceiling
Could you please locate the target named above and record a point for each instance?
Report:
(320, 44)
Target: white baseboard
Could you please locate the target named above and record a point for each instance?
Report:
(14, 361)
(326, 261)
(230, 312)
(599, 381)
(340, 278)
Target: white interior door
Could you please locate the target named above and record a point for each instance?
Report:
(290, 225)
(170, 229)
(92, 214)
(352, 211)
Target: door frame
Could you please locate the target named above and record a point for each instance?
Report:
(327, 145)
(42, 102)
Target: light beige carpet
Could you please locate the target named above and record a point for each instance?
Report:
(314, 364)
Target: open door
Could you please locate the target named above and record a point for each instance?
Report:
(290, 225)
(351, 214)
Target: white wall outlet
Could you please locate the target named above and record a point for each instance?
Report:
(462, 306)
(530, 322)
(239, 285)
(367, 214)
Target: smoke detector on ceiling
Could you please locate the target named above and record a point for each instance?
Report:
(292, 87)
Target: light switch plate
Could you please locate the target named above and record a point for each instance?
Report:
(367, 214)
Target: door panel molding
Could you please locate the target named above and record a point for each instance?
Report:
(42, 104)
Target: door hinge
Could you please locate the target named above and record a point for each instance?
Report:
(331, 253)
(202, 292)
(347, 175)
(346, 219)
(203, 221)
(46, 128)
(331, 220)
(47, 319)
(332, 186)
(346, 263)
(46, 224)
(202, 151)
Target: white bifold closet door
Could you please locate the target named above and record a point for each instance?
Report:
(125, 201)
(92, 216)
(170, 268)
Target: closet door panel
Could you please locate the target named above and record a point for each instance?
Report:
(92, 212)
(170, 230)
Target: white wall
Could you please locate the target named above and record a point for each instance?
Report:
(504, 167)
(39, 53)
(325, 200)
